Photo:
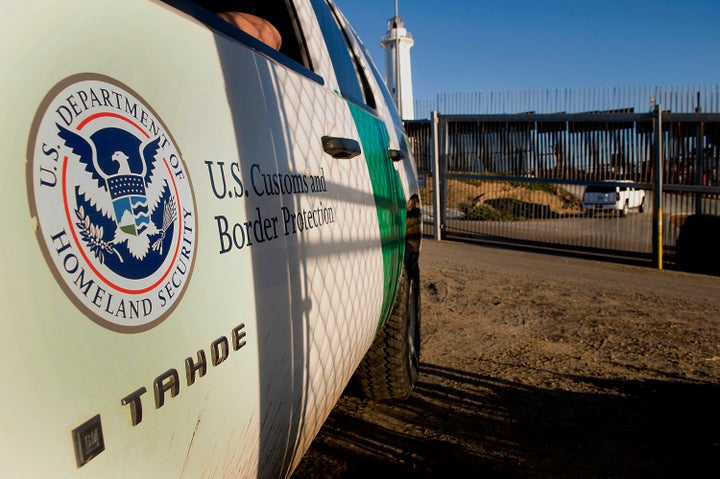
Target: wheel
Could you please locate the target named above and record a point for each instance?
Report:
(389, 370)
(624, 210)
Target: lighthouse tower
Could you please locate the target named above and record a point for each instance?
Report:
(397, 43)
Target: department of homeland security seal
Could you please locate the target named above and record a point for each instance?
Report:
(113, 201)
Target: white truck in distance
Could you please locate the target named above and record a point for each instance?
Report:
(613, 197)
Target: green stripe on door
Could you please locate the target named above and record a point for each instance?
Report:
(389, 200)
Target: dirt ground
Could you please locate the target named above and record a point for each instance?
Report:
(536, 365)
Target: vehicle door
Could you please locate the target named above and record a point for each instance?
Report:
(342, 229)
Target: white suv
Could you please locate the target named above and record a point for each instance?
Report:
(613, 197)
(208, 231)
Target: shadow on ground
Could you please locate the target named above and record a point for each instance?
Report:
(463, 424)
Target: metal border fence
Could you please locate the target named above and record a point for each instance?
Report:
(673, 98)
(521, 177)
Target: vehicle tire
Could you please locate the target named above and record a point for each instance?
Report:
(641, 208)
(624, 210)
(389, 370)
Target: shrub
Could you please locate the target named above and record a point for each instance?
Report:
(487, 213)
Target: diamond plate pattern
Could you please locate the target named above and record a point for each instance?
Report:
(340, 263)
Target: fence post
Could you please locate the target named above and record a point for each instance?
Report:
(699, 154)
(658, 189)
(444, 129)
(434, 139)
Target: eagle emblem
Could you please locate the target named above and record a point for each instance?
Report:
(120, 189)
(114, 204)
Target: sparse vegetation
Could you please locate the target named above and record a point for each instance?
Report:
(487, 213)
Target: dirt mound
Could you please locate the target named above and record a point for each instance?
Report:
(520, 200)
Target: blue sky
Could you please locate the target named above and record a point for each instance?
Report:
(498, 45)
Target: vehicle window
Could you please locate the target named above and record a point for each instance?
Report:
(353, 84)
(270, 26)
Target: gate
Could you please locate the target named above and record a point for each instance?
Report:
(522, 177)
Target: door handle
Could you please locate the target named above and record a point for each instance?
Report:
(341, 148)
(397, 155)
